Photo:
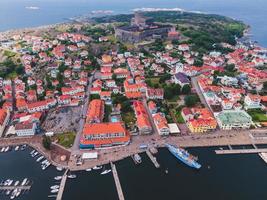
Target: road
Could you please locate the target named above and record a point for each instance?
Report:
(75, 146)
(199, 92)
(154, 129)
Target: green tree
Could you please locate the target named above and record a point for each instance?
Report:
(186, 89)
(191, 100)
(47, 142)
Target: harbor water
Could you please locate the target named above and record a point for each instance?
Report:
(231, 177)
(237, 177)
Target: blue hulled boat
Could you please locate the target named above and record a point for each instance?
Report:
(183, 156)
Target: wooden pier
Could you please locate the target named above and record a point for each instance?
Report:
(62, 186)
(13, 187)
(117, 181)
(241, 151)
(153, 159)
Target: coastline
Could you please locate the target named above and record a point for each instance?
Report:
(118, 153)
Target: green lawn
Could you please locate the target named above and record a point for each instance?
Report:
(179, 117)
(258, 116)
(66, 139)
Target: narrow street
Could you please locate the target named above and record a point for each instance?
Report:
(75, 147)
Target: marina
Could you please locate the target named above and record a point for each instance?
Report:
(62, 186)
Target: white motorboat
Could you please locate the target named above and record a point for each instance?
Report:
(57, 178)
(32, 152)
(16, 183)
(23, 147)
(55, 191)
(35, 154)
(44, 166)
(13, 194)
(6, 182)
(97, 167)
(72, 176)
(39, 159)
(10, 182)
(24, 181)
(16, 148)
(137, 158)
(18, 192)
(54, 187)
(44, 162)
(2, 149)
(8, 192)
(6, 149)
(88, 170)
(59, 168)
(106, 171)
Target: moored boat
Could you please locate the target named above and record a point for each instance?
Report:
(39, 159)
(16, 183)
(59, 168)
(24, 181)
(137, 158)
(54, 191)
(8, 192)
(57, 178)
(54, 187)
(105, 171)
(16, 148)
(88, 170)
(72, 176)
(184, 156)
(18, 192)
(97, 167)
(13, 194)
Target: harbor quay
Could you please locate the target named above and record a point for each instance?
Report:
(219, 138)
(116, 153)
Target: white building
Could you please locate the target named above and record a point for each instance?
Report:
(27, 129)
(252, 101)
(161, 124)
(234, 119)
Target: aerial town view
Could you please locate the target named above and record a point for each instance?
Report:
(149, 103)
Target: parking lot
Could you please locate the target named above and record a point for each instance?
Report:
(63, 119)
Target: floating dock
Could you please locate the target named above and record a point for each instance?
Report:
(241, 151)
(12, 187)
(62, 186)
(117, 181)
(153, 159)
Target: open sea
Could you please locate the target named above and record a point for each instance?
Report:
(13, 13)
(222, 177)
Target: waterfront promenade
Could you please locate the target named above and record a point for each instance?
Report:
(105, 156)
(219, 138)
